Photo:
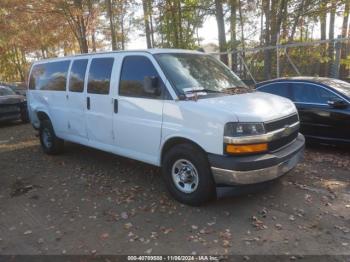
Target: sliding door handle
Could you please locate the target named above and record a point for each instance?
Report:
(115, 106)
(88, 103)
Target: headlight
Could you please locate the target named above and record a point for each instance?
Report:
(244, 129)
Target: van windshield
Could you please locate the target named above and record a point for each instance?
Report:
(199, 73)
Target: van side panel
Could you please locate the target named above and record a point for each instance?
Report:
(47, 85)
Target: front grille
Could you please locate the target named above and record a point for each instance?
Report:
(281, 142)
(281, 123)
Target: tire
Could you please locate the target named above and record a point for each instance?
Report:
(179, 166)
(24, 117)
(51, 144)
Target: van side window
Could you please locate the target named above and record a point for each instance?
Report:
(77, 75)
(100, 75)
(134, 71)
(49, 76)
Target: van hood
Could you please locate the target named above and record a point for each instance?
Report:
(252, 107)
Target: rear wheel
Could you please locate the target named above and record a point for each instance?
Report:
(187, 174)
(50, 143)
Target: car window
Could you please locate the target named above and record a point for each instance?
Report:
(134, 71)
(77, 75)
(304, 93)
(100, 75)
(49, 76)
(339, 85)
(280, 89)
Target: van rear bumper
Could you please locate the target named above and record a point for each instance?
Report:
(244, 170)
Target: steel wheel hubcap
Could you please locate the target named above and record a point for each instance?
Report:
(47, 138)
(185, 176)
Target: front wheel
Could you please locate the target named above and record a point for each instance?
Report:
(50, 143)
(187, 174)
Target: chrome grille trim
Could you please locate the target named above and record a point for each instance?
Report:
(265, 138)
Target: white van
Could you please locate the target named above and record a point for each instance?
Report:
(183, 111)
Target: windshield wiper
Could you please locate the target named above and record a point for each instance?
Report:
(238, 90)
(205, 90)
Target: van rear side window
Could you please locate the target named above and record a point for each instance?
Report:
(49, 76)
(100, 75)
(77, 75)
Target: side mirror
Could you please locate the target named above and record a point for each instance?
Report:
(151, 86)
(337, 103)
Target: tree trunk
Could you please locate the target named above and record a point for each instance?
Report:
(343, 35)
(233, 35)
(81, 26)
(18, 64)
(241, 22)
(179, 23)
(221, 30)
(296, 20)
(93, 39)
(146, 21)
(151, 22)
(267, 53)
(83, 37)
(323, 26)
(331, 37)
(111, 24)
(122, 35)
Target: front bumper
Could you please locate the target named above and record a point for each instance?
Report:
(244, 170)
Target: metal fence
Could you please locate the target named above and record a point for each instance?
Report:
(311, 58)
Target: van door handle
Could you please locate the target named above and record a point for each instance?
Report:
(88, 103)
(115, 106)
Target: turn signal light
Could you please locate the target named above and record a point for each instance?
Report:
(246, 149)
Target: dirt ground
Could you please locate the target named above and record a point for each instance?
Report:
(90, 202)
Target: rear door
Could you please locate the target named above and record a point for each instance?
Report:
(99, 102)
(76, 100)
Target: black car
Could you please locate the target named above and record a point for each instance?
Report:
(12, 106)
(323, 105)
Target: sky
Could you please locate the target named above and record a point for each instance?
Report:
(208, 33)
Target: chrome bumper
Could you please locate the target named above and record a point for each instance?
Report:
(232, 177)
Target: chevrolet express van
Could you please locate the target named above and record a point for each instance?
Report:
(183, 111)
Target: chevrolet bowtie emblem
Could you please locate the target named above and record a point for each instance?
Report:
(287, 130)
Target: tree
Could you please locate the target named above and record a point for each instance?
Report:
(146, 16)
(344, 34)
(323, 27)
(221, 30)
(111, 24)
(233, 19)
(331, 36)
(267, 53)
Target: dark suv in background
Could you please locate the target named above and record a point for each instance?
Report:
(12, 106)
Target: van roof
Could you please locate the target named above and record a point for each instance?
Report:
(150, 51)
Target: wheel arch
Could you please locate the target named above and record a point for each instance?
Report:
(173, 141)
(42, 115)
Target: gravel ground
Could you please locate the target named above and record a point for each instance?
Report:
(90, 202)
